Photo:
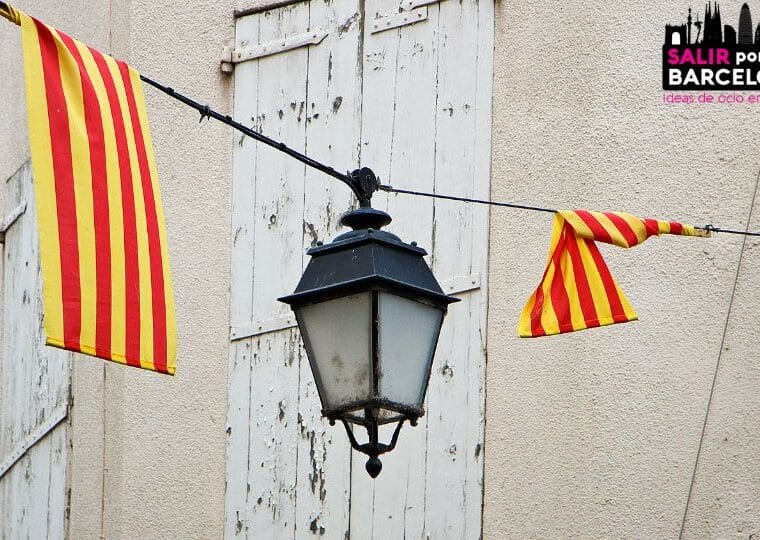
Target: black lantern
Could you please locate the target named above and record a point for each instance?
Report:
(370, 312)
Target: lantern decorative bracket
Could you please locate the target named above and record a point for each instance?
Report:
(364, 184)
(374, 447)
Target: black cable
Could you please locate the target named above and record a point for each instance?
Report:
(207, 112)
(392, 189)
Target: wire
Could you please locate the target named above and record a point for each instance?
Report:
(207, 112)
(717, 363)
(391, 189)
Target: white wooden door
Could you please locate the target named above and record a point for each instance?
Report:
(403, 87)
(35, 386)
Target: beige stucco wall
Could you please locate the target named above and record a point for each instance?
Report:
(595, 435)
(157, 469)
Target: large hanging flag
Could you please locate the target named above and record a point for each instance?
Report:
(107, 285)
(577, 290)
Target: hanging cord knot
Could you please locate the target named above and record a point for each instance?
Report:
(9, 12)
(205, 113)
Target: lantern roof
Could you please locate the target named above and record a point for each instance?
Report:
(367, 257)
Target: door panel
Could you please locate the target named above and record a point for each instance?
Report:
(413, 103)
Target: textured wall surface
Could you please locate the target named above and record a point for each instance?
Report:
(596, 434)
(148, 450)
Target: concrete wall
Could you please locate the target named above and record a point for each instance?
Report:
(148, 450)
(596, 434)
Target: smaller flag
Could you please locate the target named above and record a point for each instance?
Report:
(577, 290)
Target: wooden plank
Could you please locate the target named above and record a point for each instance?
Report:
(332, 132)
(476, 402)
(378, 62)
(36, 436)
(245, 154)
(35, 381)
(273, 439)
(399, 491)
(450, 395)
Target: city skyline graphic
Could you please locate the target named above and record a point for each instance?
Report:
(710, 31)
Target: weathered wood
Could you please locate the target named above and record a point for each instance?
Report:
(455, 286)
(34, 386)
(393, 505)
(413, 104)
(32, 439)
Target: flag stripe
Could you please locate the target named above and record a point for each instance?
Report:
(610, 287)
(145, 286)
(625, 230)
(82, 174)
(560, 299)
(100, 209)
(131, 268)
(581, 280)
(154, 247)
(599, 232)
(171, 338)
(115, 214)
(64, 189)
(44, 182)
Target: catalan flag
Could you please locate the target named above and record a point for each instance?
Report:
(577, 290)
(105, 265)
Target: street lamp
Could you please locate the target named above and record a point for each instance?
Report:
(370, 312)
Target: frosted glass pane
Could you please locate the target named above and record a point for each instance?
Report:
(337, 338)
(408, 332)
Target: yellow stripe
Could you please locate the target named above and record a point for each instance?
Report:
(577, 223)
(171, 325)
(80, 158)
(617, 237)
(524, 327)
(146, 301)
(637, 225)
(44, 182)
(663, 227)
(598, 293)
(576, 314)
(548, 316)
(630, 313)
(116, 219)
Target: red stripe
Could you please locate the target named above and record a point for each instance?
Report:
(599, 232)
(676, 228)
(560, 299)
(535, 315)
(581, 282)
(131, 263)
(616, 306)
(154, 240)
(622, 225)
(94, 122)
(652, 227)
(63, 172)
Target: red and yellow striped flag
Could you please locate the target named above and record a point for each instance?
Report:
(105, 264)
(577, 290)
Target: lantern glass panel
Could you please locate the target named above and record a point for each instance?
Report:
(408, 332)
(338, 339)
